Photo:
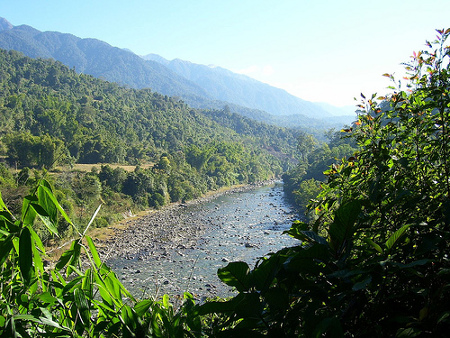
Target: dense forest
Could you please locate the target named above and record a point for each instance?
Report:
(372, 262)
(198, 85)
(52, 118)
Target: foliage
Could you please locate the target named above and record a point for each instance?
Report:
(65, 300)
(51, 116)
(101, 122)
(41, 151)
(197, 85)
(302, 183)
(375, 261)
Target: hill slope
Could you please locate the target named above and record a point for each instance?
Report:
(97, 58)
(239, 89)
(199, 86)
(100, 121)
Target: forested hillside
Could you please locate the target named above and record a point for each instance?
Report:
(50, 115)
(97, 58)
(373, 262)
(199, 86)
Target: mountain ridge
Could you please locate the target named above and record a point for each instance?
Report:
(241, 89)
(97, 58)
(198, 85)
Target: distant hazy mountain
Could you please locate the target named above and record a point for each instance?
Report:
(97, 58)
(225, 85)
(337, 111)
(198, 85)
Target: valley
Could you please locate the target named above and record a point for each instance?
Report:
(180, 248)
(142, 197)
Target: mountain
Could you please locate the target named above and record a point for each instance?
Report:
(99, 121)
(242, 90)
(198, 85)
(97, 58)
(5, 25)
(337, 111)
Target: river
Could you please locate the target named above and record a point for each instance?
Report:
(242, 226)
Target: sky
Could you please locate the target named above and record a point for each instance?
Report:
(319, 50)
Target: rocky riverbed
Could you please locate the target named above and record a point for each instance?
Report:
(181, 247)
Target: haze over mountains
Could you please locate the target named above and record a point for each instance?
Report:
(199, 86)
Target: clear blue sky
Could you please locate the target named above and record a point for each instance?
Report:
(327, 50)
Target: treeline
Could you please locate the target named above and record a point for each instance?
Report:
(50, 116)
(101, 121)
(373, 263)
(302, 183)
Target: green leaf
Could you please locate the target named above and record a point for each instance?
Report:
(46, 202)
(412, 264)
(94, 252)
(331, 325)
(46, 297)
(28, 213)
(408, 332)
(104, 292)
(313, 236)
(3, 205)
(64, 259)
(217, 307)
(373, 244)
(390, 243)
(37, 240)
(341, 230)
(82, 305)
(277, 298)
(5, 248)
(142, 307)
(264, 274)
(129, 317)
(308, 259)
(362, 284)
(37, 260)
(444, 317)
(52, 323)
(296, 230)
(248, 305)
(26, 255)
(52, 198)
(45, 218)
(235, 274)
(245, 305)
(74, 260)
(165, 301)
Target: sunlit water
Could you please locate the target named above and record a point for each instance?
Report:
(242, 227)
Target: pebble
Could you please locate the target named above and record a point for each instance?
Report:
(165, 239)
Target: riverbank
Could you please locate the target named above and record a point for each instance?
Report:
(181, 247)
(104, 237)
(157, 229)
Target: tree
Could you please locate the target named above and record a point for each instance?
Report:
(375, 261)
(30, 151)
(87, 189)
(305, 144)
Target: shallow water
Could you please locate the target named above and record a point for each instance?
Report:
(241, 227)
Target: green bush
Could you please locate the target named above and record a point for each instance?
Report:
(375, 262)
(67, 300)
